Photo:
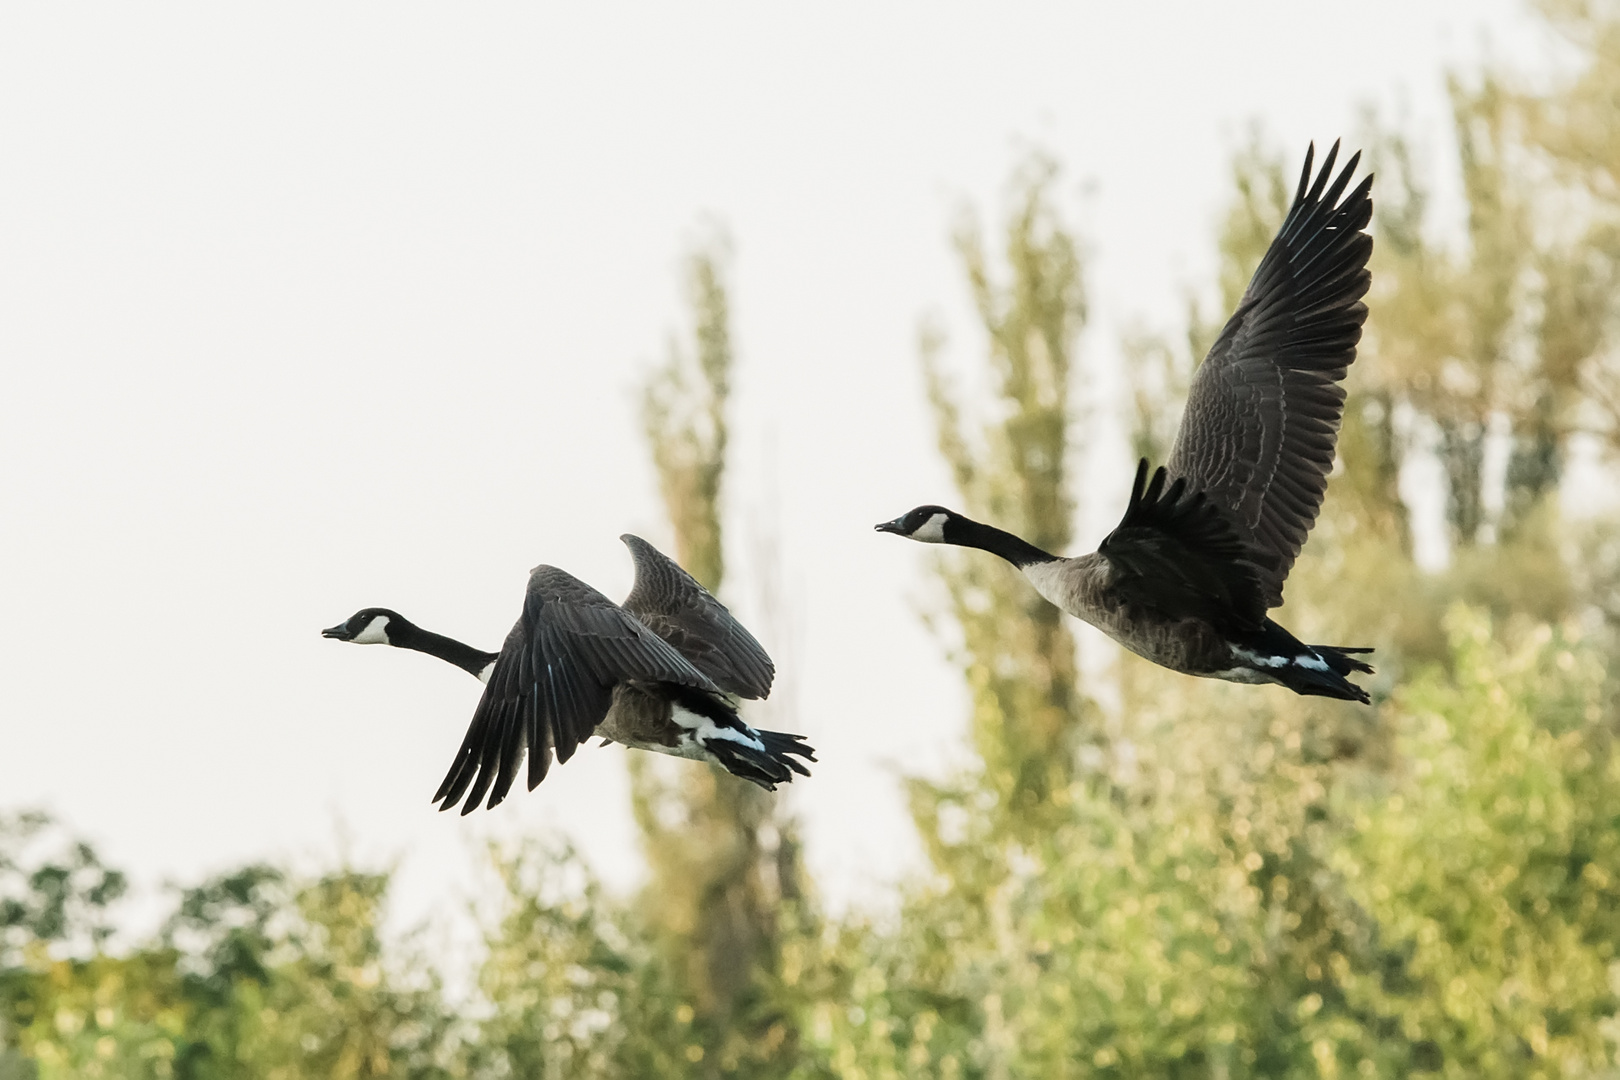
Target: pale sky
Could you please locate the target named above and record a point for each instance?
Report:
(305, 308)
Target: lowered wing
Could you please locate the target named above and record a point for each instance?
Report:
(553, 683)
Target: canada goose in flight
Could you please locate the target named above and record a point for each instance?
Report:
(1201, 554)
(652, 674)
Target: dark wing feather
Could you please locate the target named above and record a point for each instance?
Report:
(1178, 553)
(552, 685)
(1264, 408)
(671, 602)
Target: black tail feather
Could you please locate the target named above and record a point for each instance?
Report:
(774, 765)
(1312, 670)
(1312, 681)
(1336, 658)
(780, 744)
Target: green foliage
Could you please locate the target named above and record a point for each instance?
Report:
(1491, 864)
(253, 976)
(575, 986)
(579, 984)
(60, 897)
(1254, 906)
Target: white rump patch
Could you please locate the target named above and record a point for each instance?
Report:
(375, 633)
(699, 729)
(1309, 661)
(931, 531)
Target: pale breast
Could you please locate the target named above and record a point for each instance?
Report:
(1068, 583)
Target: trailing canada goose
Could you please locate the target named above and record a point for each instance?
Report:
(1201, 554)
(652, 674)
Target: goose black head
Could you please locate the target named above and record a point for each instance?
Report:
(926, 524)
(368, 626)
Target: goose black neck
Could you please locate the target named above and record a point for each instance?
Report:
(964, 532)
(406, 635)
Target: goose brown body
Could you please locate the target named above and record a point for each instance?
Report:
(1089, 588)
(1206, 543)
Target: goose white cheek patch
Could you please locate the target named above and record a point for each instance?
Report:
(375, 633)
(931, 531)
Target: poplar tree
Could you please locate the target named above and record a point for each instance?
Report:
(1010, 463)
(723, 859)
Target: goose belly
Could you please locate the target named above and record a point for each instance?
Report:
(1193, 647)
(1190, 646)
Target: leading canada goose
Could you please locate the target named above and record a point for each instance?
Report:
(652, 674)
(1201, 554)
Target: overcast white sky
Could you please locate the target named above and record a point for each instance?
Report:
(305, 308)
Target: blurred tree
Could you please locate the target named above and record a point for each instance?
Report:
(1509, 333)
(289, 979)
(1492, 863)
(66, 1009)
(724, 861)
(576, 986)
(952, 992)
(1273, 913)
(253, 976)
(1573, 125)
(683, 411)
(1029, 718)
(60, 896)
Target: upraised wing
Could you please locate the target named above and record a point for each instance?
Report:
(553, 684)
(674, 606)
(1179, 553)
(1264, 409)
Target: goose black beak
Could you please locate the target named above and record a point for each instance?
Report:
(340, 632)
(889, 526)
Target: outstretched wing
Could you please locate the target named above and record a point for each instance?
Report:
(1177, 552)
(1263, 412)
(553, 684)
(674, 606)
